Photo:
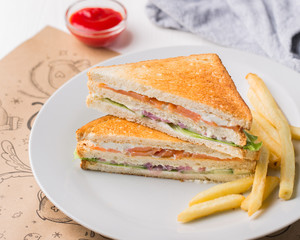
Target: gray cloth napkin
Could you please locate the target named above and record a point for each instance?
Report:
(267, 27)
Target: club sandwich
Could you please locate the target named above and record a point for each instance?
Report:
(192, 98)
(114, 145)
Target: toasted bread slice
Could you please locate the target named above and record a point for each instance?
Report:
(199, 83)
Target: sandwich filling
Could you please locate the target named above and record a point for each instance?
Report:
(160, 159)
(182, 129)
(159, 153)
(170, 107)
(169, 168)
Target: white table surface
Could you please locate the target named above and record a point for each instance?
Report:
(20, 20)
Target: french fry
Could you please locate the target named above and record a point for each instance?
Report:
(261, 107)
(271, 184)
(267, 126)
(259, 181)
(265, 104)
(233, 187)
(295, 132)
(258, 130)
(274, 161)
(266, 101)
(206, 208)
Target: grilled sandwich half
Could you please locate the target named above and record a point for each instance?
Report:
(114, 145)
(192, 98)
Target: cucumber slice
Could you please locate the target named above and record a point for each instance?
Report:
(220, 171)
(215, 171)
(114, 164)
(90, 159)
(197, 135)
(115, 103)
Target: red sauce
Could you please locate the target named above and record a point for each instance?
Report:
(92, 25)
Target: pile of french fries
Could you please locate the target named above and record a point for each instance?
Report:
(273, 129)
(270, 119)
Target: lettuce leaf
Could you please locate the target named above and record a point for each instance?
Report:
(250, 145)
(215, 171)
(75, 154)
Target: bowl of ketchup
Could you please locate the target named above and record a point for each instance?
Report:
(96, 23)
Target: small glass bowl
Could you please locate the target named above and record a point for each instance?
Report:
(100, 38)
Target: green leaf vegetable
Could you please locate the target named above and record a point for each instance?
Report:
(250, 144)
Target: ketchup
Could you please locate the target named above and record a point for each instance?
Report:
(93, 25)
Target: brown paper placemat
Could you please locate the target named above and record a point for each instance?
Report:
(29, 75)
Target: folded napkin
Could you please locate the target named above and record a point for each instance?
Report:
(266, 27)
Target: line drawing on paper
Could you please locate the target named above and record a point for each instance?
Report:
(32, 236)
(17, 214)
(16, 100)
(11, 158)
(56, 235)
(58, 72)
(48, 211)
(8, 122)
(30, 120)
(2, 235)
(92, 234)
(62, 70)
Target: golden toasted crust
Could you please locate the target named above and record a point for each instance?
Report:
(113, 126)
(201, 78)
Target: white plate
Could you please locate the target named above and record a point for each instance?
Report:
(132, 207)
